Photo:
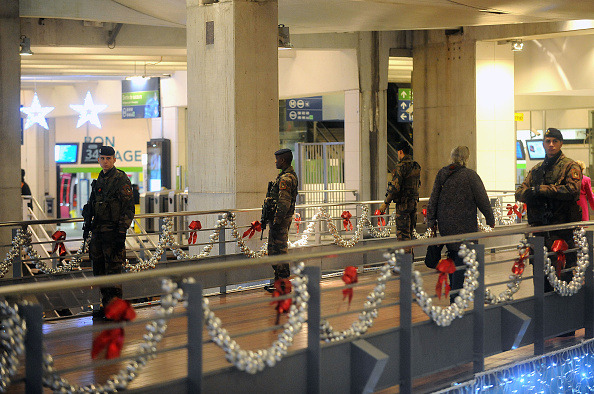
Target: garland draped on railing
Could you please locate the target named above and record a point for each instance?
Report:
(147, 351)
(12, 338)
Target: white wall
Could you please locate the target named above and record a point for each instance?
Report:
(315, 72)
(561, 64)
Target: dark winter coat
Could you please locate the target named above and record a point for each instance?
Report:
(457, 193)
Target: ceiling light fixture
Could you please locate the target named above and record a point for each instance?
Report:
(25, 45)
(517, 45)
(137, 77)
(284, 38)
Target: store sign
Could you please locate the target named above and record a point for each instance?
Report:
(141, 98)
(90, 151)
(304, 109)
(519, 116)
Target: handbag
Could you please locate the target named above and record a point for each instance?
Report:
(433, 255)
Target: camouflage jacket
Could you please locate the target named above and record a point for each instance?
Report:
(406, 180)
(112, 202)
(286, 183)
(559, 186)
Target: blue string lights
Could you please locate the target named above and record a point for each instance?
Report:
(565, 371)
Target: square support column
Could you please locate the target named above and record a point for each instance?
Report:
(232, 102)
(10, 129)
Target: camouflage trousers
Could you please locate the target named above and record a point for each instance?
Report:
(278, 236)
(106, 261)
(406, 219)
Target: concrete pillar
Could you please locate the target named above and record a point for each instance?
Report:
(373, 56)
(464, 95)
(232, 102)
(444, 100)
(10, 129)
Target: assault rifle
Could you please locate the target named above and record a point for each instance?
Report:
(87, 214)
(268, 208)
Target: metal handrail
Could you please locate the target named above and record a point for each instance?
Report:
(206, 212)
(189, 270)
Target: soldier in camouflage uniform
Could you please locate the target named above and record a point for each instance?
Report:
(112, 209)
(551, 191)
(284, 191)
(404, 191)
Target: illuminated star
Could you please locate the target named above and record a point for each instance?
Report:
(36, 113)
(88, 112)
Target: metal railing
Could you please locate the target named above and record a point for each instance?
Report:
(143, 244)
(483, 325)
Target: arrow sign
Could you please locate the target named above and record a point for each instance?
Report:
(403, 94)
(403, 105)
(404, 117)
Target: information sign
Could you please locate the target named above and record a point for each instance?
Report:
(141, 98)
(304, 108)
(405, 105)
(90, 153)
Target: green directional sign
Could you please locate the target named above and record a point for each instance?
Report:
(405, 105)
(405, 94)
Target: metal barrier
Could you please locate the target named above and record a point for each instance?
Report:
(354, 358)
(142, 245)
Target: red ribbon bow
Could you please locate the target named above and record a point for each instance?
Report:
(349, 276)
(346, 220)
(445, 267)
(282, 286)
(59, 236)
(518, 268)
(424, 211)
(194, 226)
(256, 226)
(380, 220)
(113, 340)
(560, 246)
(514, 209)
(297, 221)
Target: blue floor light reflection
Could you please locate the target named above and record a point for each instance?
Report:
(568, 370)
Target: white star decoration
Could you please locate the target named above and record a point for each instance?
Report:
(36, 113)
(88, 112)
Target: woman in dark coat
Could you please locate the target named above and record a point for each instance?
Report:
(457, 193)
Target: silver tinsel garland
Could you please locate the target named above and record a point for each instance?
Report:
(42, 265)
(515, 280)
(147, 351)
(254, 361)
(167, 240)
(444, 316)
(506, 220)
(579, 274)
(366, 318)
(12, 342)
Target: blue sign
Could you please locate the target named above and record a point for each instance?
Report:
(304, 108)
(405, 113)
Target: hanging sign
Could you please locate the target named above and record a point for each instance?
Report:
(141, 98)
(304, 109)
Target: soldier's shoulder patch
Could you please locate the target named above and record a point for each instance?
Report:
(127, 190)
(575, 174)
(283, 184)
